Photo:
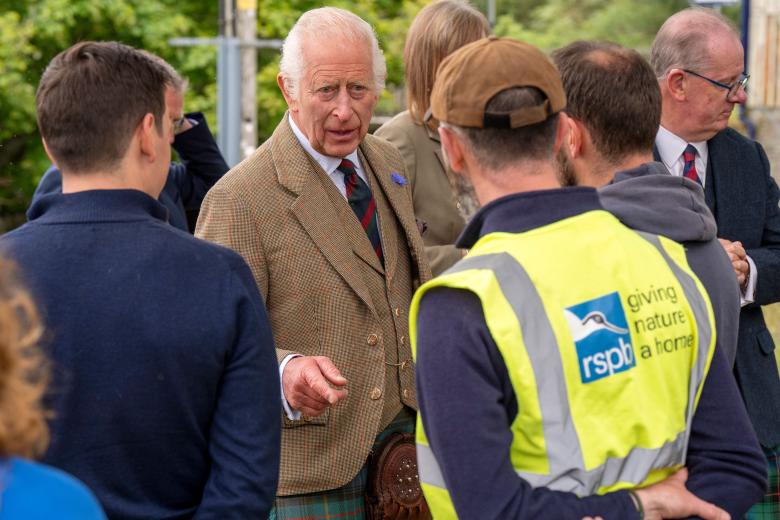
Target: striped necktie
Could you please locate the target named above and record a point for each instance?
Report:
(689, 168)
(362, 203)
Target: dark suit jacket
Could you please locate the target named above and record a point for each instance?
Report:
(743, 196)
(201, 166)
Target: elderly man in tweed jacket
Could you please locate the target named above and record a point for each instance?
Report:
(322, 213)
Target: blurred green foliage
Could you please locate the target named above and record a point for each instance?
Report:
(33, 32)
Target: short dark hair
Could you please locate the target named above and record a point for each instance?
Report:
(496, 148)
(91, 99)
(614, 93)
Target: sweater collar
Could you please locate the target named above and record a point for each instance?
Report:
(96, 206)
(521, 212)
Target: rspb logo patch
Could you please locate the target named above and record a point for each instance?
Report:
(601, 336)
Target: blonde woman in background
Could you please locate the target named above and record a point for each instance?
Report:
(29, 490)
(438, 29)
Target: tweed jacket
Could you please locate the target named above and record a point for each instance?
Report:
(434, 203)
(743, 196)
(326, 292)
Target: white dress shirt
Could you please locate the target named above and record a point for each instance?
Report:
(327, 163)
(671, 148)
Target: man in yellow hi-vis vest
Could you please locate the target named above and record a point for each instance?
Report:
(560, 364)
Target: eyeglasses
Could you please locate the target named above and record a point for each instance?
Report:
(733, 88)
(178, 124)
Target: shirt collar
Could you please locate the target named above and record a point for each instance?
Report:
(327, 163)
(671, 147)
(522, 212)
(96, 206)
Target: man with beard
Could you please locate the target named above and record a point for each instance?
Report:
(561, 362)
(614, 108)
(699, 62)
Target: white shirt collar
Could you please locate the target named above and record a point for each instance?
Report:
(327, 163)
(671, 147)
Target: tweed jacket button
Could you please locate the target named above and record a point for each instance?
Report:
(397, 311)
(372, 339)
(404, 365)
(376, 393)
(406, 393)
(401, 339)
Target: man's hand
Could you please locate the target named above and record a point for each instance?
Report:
(670, 499)
(309, 382)
(738, 258)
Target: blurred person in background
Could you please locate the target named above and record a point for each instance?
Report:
(27, 489)
(439, 29)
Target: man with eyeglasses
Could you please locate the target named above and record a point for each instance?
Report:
(201, 166)
(699, 61)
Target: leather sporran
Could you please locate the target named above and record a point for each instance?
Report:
(393, 491)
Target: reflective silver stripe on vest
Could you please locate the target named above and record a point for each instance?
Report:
(564, 454)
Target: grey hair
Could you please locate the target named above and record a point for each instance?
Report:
(321, 25)
(683, 40)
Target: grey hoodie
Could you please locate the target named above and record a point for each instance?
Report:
(649, 198)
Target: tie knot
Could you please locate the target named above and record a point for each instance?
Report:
(347, 166)
(689, 153)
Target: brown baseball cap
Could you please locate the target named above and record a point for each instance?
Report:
(469, 77)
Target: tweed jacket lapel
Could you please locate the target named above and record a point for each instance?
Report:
(385, 212)
(297, 173)
(354, 230)
(399, 197)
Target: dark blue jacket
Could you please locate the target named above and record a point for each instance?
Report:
(743, 196)
(468, 404)
(201, 166)
(165, 388)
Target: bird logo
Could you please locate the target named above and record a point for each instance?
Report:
(592, 322)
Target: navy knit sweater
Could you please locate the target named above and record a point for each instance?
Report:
(165, 391)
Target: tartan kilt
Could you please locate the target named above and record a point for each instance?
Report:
(769, 506)
(347, 502)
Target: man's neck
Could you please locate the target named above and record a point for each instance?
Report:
(101, 180)
(520, 178)
(603, 173)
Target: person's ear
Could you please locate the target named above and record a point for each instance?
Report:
(146, 134)
(452, 149)
(676, 83)
(48, 153)
(575, 137)
(292, 102)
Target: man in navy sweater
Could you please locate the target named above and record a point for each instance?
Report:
(201, 166)
(165, 392)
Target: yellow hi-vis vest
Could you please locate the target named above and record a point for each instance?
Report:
(607, 337)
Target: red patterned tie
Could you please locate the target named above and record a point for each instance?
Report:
(689, 168)
(362, 203)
